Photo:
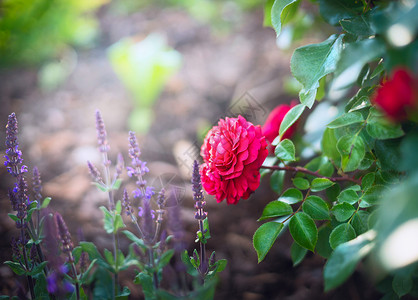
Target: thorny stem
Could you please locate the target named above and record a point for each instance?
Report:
(30, 279)
(309, 172)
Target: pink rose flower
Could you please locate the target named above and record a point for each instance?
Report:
(272, 125)
(233, 153)
(397, 95)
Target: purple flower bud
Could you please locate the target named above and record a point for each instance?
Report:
(101, 133)
(95, 174)
(14, 161)
(64, 235)
(37, 185)
(126, 202)
(120, 164)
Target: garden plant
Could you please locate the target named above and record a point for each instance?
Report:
(346, 191)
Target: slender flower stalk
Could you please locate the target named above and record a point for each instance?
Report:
(67, 248)
(200, 215)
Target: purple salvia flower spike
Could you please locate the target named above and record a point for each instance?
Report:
(126, 202)
(37, 185)
(94, 172)
(147, 222)
(64, 235)
(14, 161)
(101, 133)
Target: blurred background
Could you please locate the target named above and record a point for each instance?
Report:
(167, 70)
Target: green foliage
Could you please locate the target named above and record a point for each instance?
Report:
(33, 31)
(355, 197)
(264, 238)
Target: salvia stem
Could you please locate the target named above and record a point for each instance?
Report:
(309, 172)
(25, 257)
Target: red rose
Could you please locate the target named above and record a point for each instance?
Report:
(272, 125)
(397, 95)
(233, 153)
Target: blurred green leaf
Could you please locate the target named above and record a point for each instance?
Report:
(352, 151)
(301, 183)
(335, 10)
(319, 184)
(346, 119)
(290, 118)
(344, 259)
(276, 181)
(282, 10)
(297, 253)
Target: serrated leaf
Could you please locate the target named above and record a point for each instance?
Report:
(291, 196)
(317, 208)
(358, 25)
(372, 195)
(360, 222)
(285, 150)
(329, 144)
(352, 151)
(348, 195)
(135, 239)
(276, 181)
(344, 259)
(264, 238)
(221, 265)
(319, 184)
(382, 129)
(276, 209)
(335, 10)
(343, 211)
(346, 119)
(116, 184)
(322, 246)
(297, 253)
(312, 62)
(301, 183)
(109, 257)
(38, 268)
(290, 118)
(303, 230)
(279, 12)
(367, 180)
(341, 234)
(108, 220)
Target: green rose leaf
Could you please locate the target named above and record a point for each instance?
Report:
(280, 11)
(285, 150)
(352, 151)
(348, 195)
(264, 238)
(346, 119)
(344, 259)
(276, 209)
(291, 196)
(382, 129)
(343, 211)
(358, 25)
(322, 246)
(319, 184)
(289, 119)
(312, 62)
(360, 222)
(335, 10)
(341, 234)
(301, 183)
(297, 253)
(329, 144)
(317, 208)
(276, 181)
(303, 230)
(368, 180)
(372, 195)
